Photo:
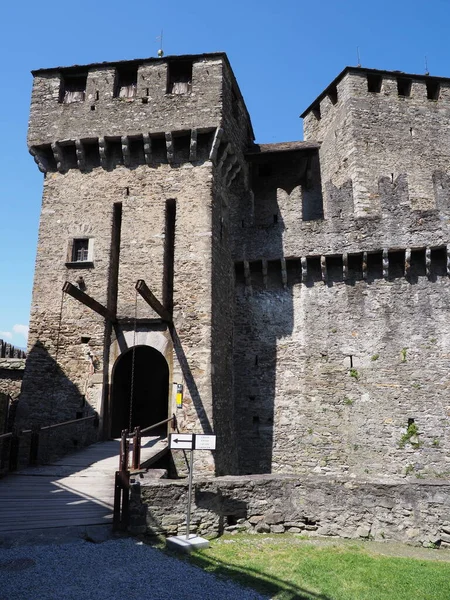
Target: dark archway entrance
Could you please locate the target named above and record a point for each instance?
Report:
(151, 390)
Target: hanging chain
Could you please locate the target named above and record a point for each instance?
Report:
(132, 363)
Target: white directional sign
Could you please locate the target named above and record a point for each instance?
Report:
(205, 442)
(181, 441)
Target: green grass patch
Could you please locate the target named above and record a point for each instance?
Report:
(288, 567)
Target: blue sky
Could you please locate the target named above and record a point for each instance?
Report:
(283, 53)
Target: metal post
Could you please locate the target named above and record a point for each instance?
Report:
(188, 516)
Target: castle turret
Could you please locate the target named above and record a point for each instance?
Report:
(383, 127)
(142, 160)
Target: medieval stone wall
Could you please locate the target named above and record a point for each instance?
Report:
(101, 114)
(392, 135)
(329, 375)
(413, 511)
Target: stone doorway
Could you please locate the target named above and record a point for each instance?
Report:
(151, 390)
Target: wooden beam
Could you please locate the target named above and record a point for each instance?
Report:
(152, 301)
(82, 297)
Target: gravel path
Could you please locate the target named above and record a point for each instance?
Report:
(113, 570)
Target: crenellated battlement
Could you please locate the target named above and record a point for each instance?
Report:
(136, 98)
(377, 127)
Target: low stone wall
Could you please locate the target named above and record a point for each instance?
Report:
(11, 374)
(410, 511)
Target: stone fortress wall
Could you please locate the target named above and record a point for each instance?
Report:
(310, 287)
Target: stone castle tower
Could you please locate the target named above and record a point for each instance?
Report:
(304, 284)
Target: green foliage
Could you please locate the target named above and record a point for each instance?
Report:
(286, 567)
(310, 430)
(375, 357)
(354, 373)
(403, 353)
(409, 470)
(416, 386)
(334, 330)
(436, 443)
(348, 401)
(412, 431)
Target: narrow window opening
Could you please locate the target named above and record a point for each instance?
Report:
(80, 250)
(85, 339)
(256, 360)
(127, 191)
(169, 254)
(242, 223)
(179, 77)
(351, 361)
(126, 82)
(144, 100)
(114, 256)
(97, 95)
(404, 86)
(92, 106)
(374, 83)
(333, 95)
(411, 131)
(73, 88)
(433, 88)
(147, 91)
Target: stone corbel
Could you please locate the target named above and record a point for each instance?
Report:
(38, 160)
(147, 148)
(102, 146)
(81, 156)
(57, 153)
(126, 150)
(169, 147)
(385, 263)
(193, 146)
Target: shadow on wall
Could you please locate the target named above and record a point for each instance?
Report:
(48, 397)
(286, 188)
(228, 509)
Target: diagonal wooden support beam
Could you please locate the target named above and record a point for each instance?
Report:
(152, 301)
(82, 297)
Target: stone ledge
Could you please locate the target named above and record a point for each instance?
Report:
(12, 364)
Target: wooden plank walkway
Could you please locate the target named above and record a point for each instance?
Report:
(76, 490)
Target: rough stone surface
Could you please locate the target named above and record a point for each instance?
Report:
(418, 512)
(310, 291)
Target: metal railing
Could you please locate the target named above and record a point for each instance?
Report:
(122, 479)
